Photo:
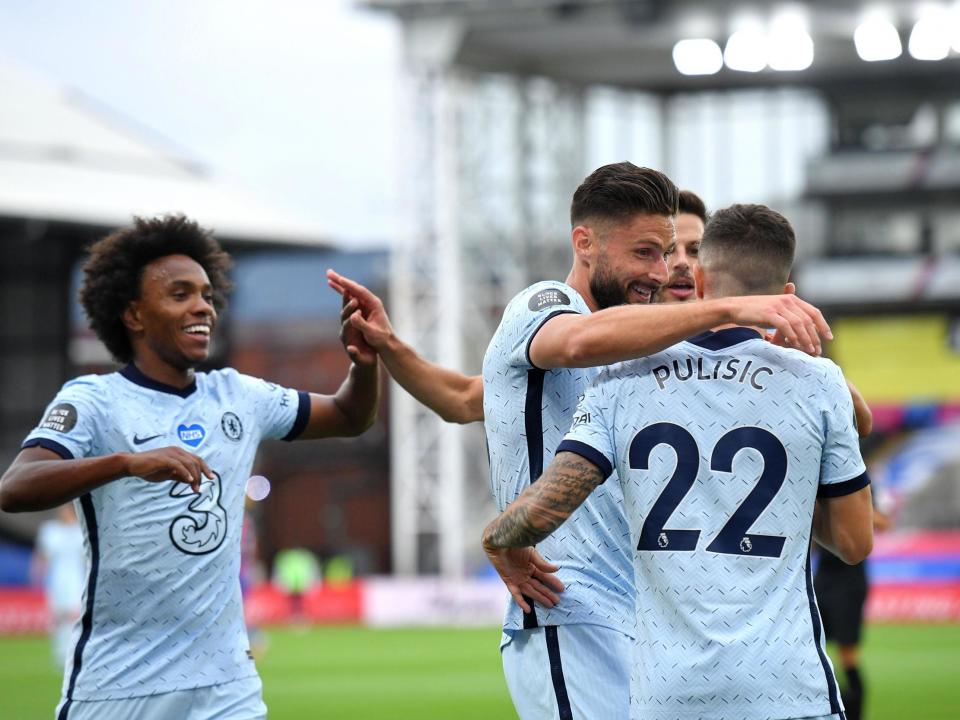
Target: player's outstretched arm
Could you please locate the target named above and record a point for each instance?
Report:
(540, 509)
(353, 408)
(844, 525)
(39, 479)
(455, 397)
(630, 331)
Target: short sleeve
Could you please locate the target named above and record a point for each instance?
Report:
(529, 311)
(70, 424)
(842, 470)
(282, 413)
(591, 436)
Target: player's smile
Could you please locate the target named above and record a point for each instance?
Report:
(680, 287)
(640, 292)
(176, 311)
(199, 333)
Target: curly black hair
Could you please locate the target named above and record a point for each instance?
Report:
(114, 270)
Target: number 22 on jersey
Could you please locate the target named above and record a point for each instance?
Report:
(733, 538)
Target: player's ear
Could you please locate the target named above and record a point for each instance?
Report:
(698, 280)
(789, 289)
(584, 240)
(131, 317)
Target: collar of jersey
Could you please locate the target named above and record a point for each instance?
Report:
(725, 338)
(132, 373)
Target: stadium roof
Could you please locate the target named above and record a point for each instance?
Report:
(64, 158)
(629, 43)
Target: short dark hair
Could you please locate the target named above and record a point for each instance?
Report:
(690, 202)
(112, 274)
(751, 244)
(622, 190)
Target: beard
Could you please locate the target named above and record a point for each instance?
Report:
(605, 288)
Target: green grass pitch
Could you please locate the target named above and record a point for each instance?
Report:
(913, 673)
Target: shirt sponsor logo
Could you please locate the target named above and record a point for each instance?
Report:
(191, 435)
(231, 426)
(137, 440)
(202, 525)
(62, 418)
(548, 298)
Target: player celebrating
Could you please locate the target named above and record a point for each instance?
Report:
(534, 371)
(157, 456)
(691, 219)
(723, 447)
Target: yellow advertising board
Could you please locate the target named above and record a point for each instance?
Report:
(898, 359)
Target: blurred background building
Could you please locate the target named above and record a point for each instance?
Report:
(843, 115)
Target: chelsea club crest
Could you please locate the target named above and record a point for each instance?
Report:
(231, 425)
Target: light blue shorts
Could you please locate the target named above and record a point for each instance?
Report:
(567, 672)
(237, 700)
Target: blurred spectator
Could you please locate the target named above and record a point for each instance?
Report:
(60, 561)
(295, 570)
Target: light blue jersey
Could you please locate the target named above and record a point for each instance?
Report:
(722, 445)
(162, 607)
(527, 411)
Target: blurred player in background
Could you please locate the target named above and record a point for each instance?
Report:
(842, 595)
(158, 456)
(726, 615)
(60, 560)
(534, 371)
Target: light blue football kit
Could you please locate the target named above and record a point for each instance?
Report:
(162, 610)
(527, 411)
(721, 445)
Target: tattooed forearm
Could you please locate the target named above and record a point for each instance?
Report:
(544, 505)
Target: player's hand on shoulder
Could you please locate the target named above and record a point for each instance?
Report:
(795, 322)
(168, 463)
(527, 575)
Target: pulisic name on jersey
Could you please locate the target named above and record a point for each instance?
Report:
(730, 369)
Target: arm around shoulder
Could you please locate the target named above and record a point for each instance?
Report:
(621, 333)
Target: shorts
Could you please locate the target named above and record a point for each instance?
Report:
(841, 595)
(237, 700)
(561, 672)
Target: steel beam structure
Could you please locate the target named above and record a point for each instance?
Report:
(490, 164)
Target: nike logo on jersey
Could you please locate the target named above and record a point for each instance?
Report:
(141, 441)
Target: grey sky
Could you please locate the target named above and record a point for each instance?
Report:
(295, 99)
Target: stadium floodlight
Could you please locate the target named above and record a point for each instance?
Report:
(790, 46)
(697, 56)
(790, 49)
(955, 26)
(877, 39)
(930, 37)
(746, 50)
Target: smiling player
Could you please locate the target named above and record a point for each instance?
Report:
(690, 221)
(156, 457)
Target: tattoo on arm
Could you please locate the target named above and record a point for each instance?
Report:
(544, 505)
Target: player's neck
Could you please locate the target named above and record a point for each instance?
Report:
(762, 332)
(579, 280)
(163, 372)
